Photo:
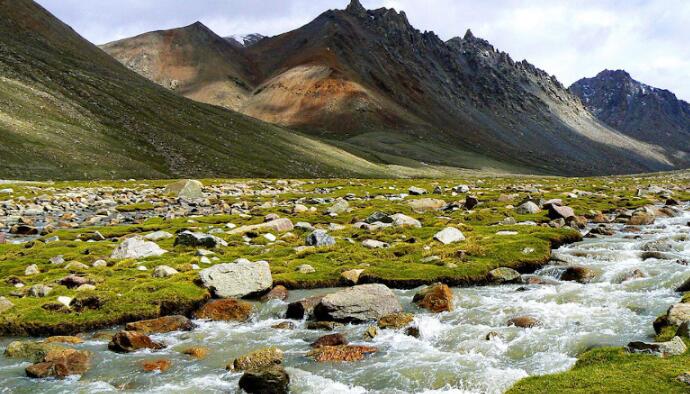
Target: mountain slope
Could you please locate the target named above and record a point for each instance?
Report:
(68, 110)
(641, 111)
(363, 77)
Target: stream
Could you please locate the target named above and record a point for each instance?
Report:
(452, 354)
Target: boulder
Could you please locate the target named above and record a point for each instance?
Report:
(225, 310)
(257, 359)
(158, 236)
(303, 308)
(436, 298)
(401, 220)
(449, 235)
(237, 279)
(560, 212)
(524, 322)
(188, 189)
(341, 353)
(320, 238)
(674, 347)
(378, 216)
(161, 325)
(30, 350)
(641, 219)
(678, 314)
(374, 244)
(137, 248)
(395, 320)
(578, 274)
(269, 380)
(189, 238)
(528, 208)
(426, 204)
(503, 275)
(358, 304)
(416, 191)
(279, 292)
(131, 341)
(340, 206)
(60, 364)
(330, 340)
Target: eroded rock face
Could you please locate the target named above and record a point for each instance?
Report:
(358, 304)
(225, 310)
(131, 341)
(238, 279)
(436, 298)
(161, 325)
(269, 380)
(137, 248)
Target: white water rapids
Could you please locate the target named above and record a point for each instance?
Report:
(452, 354)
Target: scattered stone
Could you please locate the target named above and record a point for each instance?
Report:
(32, 270)
(426, 204)
(306, 269)
(358, 304)
(578, 274)
(131, 341)
(64, 339)
(395, 320)
(340, 206)
(137, 248)
(374, 244)
(528, 208)
(76, 266)
(330, 340)
(284, 325)
(158, 236)
(257, 359)
(189, 238)
(674, 347)
(5, 304)
(320, 238)
(164, 271)
(279, 292)
(560, 212)
(678, 314)
(40, 290)
(400, 220)
(436, 298)
(341, 353)
(225, 310)
(160, 365)
(684, 378)
(416, 191)
(634, 274)
(270, 380)
(641, 219)
(188, 189)
(57, 260)
(100, 264)
(503, 275)
(323, 325)
(237, 279)
(524, 322)
(449, 235)
(23, 229)
(161, 325)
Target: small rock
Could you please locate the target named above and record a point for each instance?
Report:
(320, 238)
(560, 212)
(503, 275)
(371, 333)
(416, 191)
(323, 325)
(131, 341)
(306, 269)
(395, 320)
(528, 208)
(5, 304)
(524, 322)
(358, 304)
(40, 290)
(257, 359)
(674, 347)
(196, 352)
(160, 365)
(161, 325)
(158, 236)
(225, 310)
(351, 277)
(341, 353)
(137, 248)
(578, 274)
(32, 270)
(400, 220)
(57, 260)
(188, 189)
(491, 335)
(303, 308)
(284, 325)
(269, 380)
(413, 332)
(449, 235)
(436, 298)
(164, 271)
(189, 238)
(374, 244)
(330, 340)
(61, 364)
(279, 292)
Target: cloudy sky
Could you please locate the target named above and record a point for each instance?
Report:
(569, 38)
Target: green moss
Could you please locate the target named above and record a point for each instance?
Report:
(613, 370)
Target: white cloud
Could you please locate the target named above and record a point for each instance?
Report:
(569, 38)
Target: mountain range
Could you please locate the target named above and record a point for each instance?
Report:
(355, 92)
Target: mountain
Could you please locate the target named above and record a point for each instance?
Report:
(244, 40)
(641, 111)
(68, 110)
(370, 83)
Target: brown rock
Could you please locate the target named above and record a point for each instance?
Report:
(225, 310)
(303, 308)
(161, 325)
(560, 212)
(436, 298)
(131, 341)
(396, 320)
(330, 340)
(641, 219)
(323, 325)
(412, 332)
(61, 363)
(64, 339)
(196, 352)
(279, 292)
(160, 365)
(257, 359)
(284, 325)
(524, 322)
(578, 274)
(341, 353)
(269, 380)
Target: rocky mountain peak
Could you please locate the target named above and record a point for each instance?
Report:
(356, 8)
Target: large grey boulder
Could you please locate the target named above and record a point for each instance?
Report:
(187, 188)
(402, 220)
(237, 279)
(137, 248)
(358, 304)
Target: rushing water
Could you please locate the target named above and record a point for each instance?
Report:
(452, 354)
